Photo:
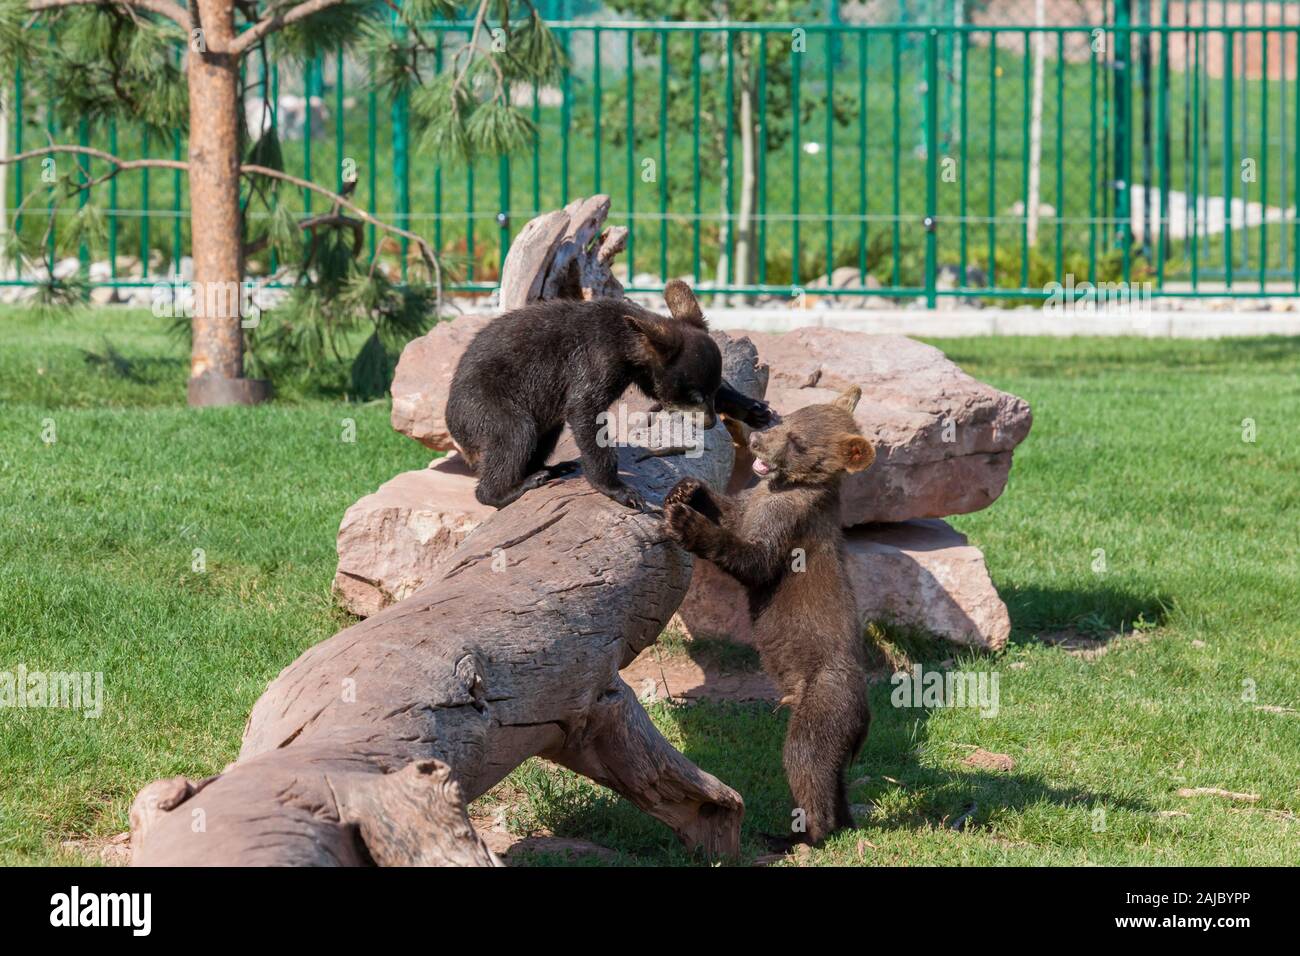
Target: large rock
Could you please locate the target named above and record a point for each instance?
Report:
(943, 439)
(391, 541)
(924, 574)
(422, 380)
(715, 606)
(919, 574)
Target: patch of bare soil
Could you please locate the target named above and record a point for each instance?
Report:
(983, 759)
(678, 677)
(513, 849)
(1089, 645)
(110, 851)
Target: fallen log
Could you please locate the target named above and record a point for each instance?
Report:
(367, 748)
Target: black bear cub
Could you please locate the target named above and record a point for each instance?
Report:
(782, 541)
(530, 371)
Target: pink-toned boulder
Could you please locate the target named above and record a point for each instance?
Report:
(943, 439)
(921, 574)
(422, 380)
(924, 574)
(391, 541)
(715, 606)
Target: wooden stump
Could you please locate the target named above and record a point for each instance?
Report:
(564, 254)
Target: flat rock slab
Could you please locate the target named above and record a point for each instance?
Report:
(391, 542)
(422, 380)
(715, 606)
(943, 439)
(921, 574)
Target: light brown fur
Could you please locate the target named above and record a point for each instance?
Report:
(782, 541)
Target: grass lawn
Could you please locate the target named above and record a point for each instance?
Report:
(1136, 450)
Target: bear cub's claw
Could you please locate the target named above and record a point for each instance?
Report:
(682, 492)
(628, 497)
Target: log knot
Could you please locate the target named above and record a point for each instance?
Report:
(158, 798)
(469, 675)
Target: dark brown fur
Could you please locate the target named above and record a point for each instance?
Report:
(805, 621)
(531, 371)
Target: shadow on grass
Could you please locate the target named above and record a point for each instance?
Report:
(904, 792)
(1097, 614)
(740, 744)
(912, 794)
(1273, 349)
(108, 361)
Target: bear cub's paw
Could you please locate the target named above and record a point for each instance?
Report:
(686, 526)
(684, 492)
(626, 496)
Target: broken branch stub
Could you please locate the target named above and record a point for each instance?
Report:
(564, 254)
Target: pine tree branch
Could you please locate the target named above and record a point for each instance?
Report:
(166, 8)
(120, 165)
(278, 19)
(426, 251)
(311, 224)
(472, 45)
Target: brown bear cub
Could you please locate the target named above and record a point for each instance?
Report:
(529, 372)
(782, 541)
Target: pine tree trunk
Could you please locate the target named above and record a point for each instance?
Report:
(217, 353)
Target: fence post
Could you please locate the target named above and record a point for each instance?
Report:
(931, 162)
(1229, 161)
(1123, 129)
(83, 249)
(503, 209)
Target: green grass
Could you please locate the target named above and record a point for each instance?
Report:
(1136, 449)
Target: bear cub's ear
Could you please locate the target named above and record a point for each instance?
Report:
(683, 305)
(661, 335)
(848, 399)
(856, 452)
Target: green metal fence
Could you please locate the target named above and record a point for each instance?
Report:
(761, 158)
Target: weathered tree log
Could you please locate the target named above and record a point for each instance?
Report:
(367, 748)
